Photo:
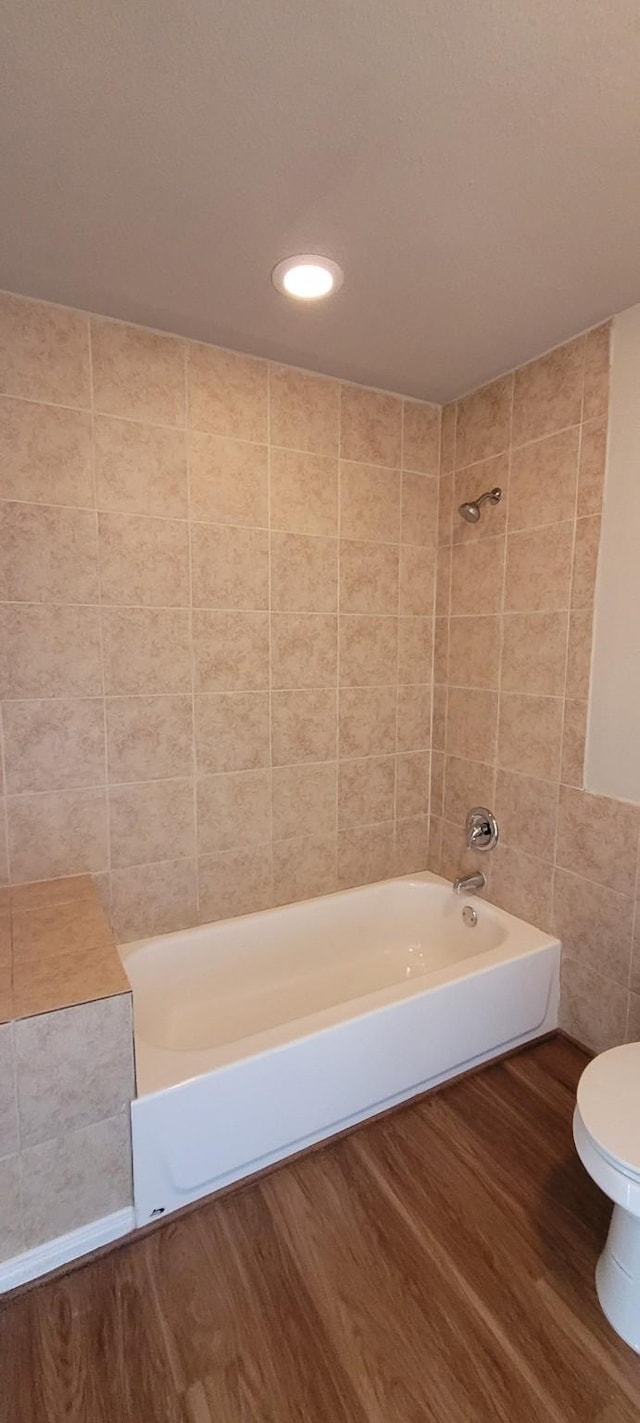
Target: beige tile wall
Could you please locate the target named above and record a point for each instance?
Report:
(66, 1081)
(216, 617)
(512, 660)
(216, 610)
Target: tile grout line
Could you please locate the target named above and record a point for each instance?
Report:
(221, 854)
(568, 638)
(524, 444)
(97, 786)
(364, 824)
(518, 613)
(239, 611)
(184, 696)
(107, 804)
(338, 689)
(398, 602)
(270, 637)
(502, 611)
(449, 545)
(192, 654)
(5, 818)
(433, 635)
(5, 791)
(117, 512)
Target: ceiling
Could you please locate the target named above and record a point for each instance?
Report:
(473, 165)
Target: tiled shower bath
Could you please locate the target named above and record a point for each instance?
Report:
(216, 623)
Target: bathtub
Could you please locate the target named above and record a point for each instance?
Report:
(259, 1036)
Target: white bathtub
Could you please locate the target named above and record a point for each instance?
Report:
(258, 1036)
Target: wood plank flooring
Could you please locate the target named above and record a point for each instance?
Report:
(435, 1265)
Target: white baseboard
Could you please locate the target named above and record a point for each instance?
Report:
(43, 1258)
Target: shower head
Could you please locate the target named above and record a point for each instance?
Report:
(471, 511)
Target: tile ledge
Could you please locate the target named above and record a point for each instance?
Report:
(57, 973)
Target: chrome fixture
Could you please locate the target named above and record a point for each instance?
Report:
(482, 829)
(469, 916)
(469, 884)
(471, 511)
(482, 833)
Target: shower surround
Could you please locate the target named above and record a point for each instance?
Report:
(216, 637)
(514, 610)
(216, 621)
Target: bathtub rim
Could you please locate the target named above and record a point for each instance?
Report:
(157, 1068)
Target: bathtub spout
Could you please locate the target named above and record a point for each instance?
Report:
(469, 884)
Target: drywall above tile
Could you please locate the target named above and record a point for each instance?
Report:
(470, 166)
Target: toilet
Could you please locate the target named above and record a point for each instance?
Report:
(606, 1131)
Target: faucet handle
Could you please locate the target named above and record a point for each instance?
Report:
(483, 831)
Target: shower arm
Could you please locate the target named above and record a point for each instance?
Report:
(493, 495)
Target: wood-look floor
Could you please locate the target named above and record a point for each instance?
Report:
(437, 1264)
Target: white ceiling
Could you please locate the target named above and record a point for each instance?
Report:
(472, 164)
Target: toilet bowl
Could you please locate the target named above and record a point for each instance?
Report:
(606, 1131)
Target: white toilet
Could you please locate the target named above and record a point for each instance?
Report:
(606, 1131)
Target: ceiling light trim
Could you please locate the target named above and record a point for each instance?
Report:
(284, 273)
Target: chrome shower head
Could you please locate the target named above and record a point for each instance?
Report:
(471, 511)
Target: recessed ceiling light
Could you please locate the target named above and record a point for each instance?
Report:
(308, 277)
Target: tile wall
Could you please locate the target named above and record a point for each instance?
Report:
(512, 661)
(216, 617)
(66, 1081)
(216, 599)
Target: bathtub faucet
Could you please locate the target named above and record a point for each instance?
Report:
(469, 884)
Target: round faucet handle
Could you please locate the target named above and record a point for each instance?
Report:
(483, 831)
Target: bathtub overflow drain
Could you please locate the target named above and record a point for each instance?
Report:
(469, 916)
